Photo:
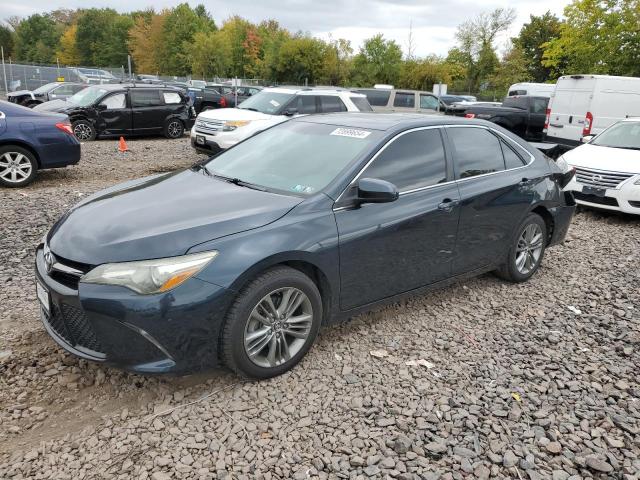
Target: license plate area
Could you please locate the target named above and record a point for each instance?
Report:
(43, 297)
(200, 140)
(598, 192)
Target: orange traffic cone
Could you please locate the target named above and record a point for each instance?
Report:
(122, 146)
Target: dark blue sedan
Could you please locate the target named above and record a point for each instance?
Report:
(241, 259)
(32, 141)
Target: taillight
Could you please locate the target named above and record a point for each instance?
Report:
(65, 127)
(469, 115)
(223, 102)
(588, 122)
(547, 119)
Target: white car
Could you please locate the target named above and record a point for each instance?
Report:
(608, 168)
(219, 129)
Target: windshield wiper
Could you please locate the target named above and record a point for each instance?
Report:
(237, 181)
(201, 166)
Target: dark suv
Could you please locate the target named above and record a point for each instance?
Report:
(114, 110)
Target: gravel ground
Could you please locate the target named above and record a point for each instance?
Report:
(482, 379)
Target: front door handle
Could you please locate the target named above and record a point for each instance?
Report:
(447, 204)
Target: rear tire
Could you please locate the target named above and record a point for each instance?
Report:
(173, 129)
(527, 250)
(272, 323)
(18, 166)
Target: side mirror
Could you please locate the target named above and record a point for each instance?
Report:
(587, 138)
(290, 112)
(100, 107)
(373, 190)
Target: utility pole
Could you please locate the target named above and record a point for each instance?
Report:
(129, 64)
(4, 71)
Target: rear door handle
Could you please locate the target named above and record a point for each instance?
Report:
(447, 204)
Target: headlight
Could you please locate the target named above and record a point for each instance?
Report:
(150, 276)
(233, 124)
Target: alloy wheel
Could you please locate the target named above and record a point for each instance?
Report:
(82, 131)
(15, 167)
(529, 248)
(278, 327)
(174, 129)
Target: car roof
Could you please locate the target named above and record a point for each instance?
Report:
(126, 86)
(311, 90)
(387, 121)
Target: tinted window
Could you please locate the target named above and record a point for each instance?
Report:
(516, 102)
(362, 104)
(404, 99)
(171, 97)
(517, 92)
(377, 98)
(428, 102)
(145, 98)
(115, 101)
(477, 151)
(304, 104)
(331, 104)
(511, 158)
(539, 105)
(413, 160)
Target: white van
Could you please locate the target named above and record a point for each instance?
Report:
(587, 104)
(531, 89)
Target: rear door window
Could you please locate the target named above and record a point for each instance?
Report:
(304, 104)
(329, 103)
(377, 98)
(144, 97)
(413, 160)
(405, 100)
(171, 97)
(477, 151)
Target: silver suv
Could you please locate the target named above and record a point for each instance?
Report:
(392, 100)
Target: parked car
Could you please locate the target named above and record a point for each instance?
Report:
(588, 104)
(391, 100)
(524, 116)
(217, 130)
(197, 83)
(459, 109)
(126, 109)
(32, 141)
(49, 91)
(94, 76)
(608, 168)
(243, 93)
(531, 89)
(243, 257)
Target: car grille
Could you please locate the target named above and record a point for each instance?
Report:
(634, 204)
(600, 178)
(209, 126)
(67, 272)
(611, 202)
(72, 325)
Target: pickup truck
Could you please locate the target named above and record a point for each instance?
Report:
(522, 115)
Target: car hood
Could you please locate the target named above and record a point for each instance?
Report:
(60, 106)
(604, 158)
(235, 114)
(161, 216)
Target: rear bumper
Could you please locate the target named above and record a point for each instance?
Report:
(175, 332)
(60, 154)
(562, 219)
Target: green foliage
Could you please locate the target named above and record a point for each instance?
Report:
(378, 61)
(36, 39)
(101, 37)
(598, 36)
(300, 60)
(531, 41)
(7, 40)
(210, 55)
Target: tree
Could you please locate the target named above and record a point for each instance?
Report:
(101, 37)
(36, 39)
(513, 68)
(68, 53)
(597, 37)
(7, 40)
(146, 40)
(530, 42)
(273, 36)
(422, 74)
(210, 55)
(300, 60)
(378, 61)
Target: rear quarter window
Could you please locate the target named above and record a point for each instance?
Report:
(171, 97)
(362, 104)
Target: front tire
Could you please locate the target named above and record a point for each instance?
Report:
(527, 250)
(18, 166)
(84, 130)
(272, 323)
(174, 129)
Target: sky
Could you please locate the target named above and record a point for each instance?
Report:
(433, 22)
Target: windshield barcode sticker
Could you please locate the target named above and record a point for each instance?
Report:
(350, 132)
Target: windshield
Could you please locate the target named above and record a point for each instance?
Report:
(620, 135)
(45, 88)
(295, 157)
(87, 96)
(266, 102)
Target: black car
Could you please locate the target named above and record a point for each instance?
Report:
(45, 93)
(524, 116)
(113, 110)
(46, 142)
(242, 258)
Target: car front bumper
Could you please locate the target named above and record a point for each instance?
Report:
(624, 198)
(173, 332)
(217, 142)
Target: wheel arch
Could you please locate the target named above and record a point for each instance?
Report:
(22, 144)
(548, 219)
